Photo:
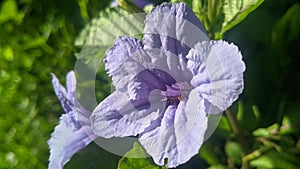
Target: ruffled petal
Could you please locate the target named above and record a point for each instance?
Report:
(180, 134)
(217, 69)
(137, 72)
(117, 116)
(123, 51)
(127, 58)
(173, 27)
(65, 142)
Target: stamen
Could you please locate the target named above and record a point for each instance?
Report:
(179, 97)
(170, 100)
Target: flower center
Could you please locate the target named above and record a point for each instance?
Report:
(176, 93)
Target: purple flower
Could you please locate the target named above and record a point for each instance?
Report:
(167, 84)
(140, 3)
(74, 130)
(143, 3)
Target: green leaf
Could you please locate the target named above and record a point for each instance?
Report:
(137, 163)
(208, 154)
(198, 9)
(218, 16)
(129, 6)
(210, 14)
(290, 124)
(291, 121)
(224, 129)
(272, 159)
(7, 53)
(287, 28)
(101, 33)
(33, 43)
(236, 11)
(9, 10)
(234, 151)
(261, 132)
(224, 124)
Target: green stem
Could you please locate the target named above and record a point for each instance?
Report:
(255, 154)
(238, 131)
(268, 143)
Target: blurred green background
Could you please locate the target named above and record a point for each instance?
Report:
(37, 38)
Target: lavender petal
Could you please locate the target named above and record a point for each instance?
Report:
(169, 27)
(65, 142)
(115, 116)
(74, 129)
(123, 50)
(217, 68)
(180, 134)
(143, 3)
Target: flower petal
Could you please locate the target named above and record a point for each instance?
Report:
(127, 59)
(67, 98)
(144, 83)
(123, 50)
(116, 116)
(180, 134)
(166, 61)
(71, 85)
(143, 3)
(137, 72)
(217, 68)
(61, 94)
(79, 115)
(74, 130)
(65, 142)
(173, 27)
